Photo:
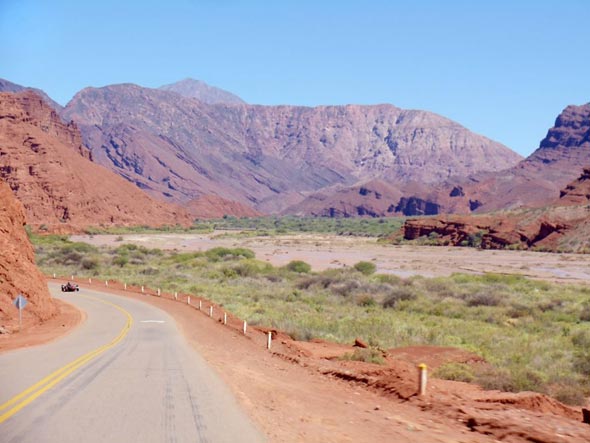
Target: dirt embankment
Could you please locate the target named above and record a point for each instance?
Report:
(306, 392)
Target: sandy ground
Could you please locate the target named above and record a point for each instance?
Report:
(330, 251)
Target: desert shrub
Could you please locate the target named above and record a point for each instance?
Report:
(518, 310)
(90, 263)
(396, 295)
(368, 355)
(581, 339)
(455, 371)
(486, 297)
(345, 288)
(251, 268)
(298, 266)
(570, 395)
(585, 313)
(551, 305)
(121, 260)
(439, 287)
(219, 253)
(493, 378)
(366, 300)
(365, 267)
(390, 279)
(150, 271)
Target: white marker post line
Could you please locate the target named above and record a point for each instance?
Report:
(152, 321)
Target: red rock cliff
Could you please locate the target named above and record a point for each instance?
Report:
(18, 273)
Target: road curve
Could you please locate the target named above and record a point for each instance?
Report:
(124, 375)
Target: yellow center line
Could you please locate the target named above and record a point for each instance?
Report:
(31, 393)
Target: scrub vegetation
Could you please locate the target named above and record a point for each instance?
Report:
(269, 226)
(535, 335)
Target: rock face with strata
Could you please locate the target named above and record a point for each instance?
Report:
(43, 161)
(270, 157)
(18, 273)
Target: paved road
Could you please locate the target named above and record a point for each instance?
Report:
(143, 383)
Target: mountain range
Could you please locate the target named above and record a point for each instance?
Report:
(196, 145)
(178, 148)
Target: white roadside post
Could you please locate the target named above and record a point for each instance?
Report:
(159, 293)
(72, 278)
(54, 275)
(188, 299)
(106, 283)
(142, 289)
(125, 286)
(176, 296)
(210, 311)
(200, 305)
(225, 318)
(245, 327)
(423, 379)
(89, 281)
(269, 341)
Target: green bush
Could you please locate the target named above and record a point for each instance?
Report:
(298, 266)
(365, 267)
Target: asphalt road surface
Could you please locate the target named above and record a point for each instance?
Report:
(124, 375)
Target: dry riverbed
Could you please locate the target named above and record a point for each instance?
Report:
(332, 251)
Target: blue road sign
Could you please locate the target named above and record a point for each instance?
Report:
(20, 302)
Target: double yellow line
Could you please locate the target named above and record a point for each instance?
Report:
(21, 400)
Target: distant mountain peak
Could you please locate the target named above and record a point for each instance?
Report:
(203, 92)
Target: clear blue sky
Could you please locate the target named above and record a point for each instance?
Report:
(504, 69)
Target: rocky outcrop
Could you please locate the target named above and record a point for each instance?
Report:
(18, 273)
(577, 192)
(564, 225)
(270, 157)
(50, 172)
(203, 92)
